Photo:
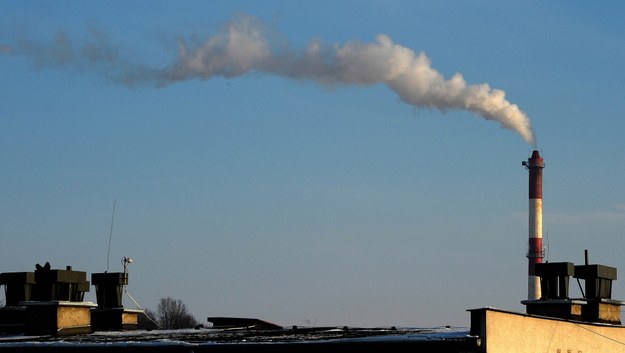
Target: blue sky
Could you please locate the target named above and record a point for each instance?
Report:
(274, 193)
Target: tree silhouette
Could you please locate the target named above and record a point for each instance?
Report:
(173, 314)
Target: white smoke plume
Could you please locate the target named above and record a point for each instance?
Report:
(245, 45)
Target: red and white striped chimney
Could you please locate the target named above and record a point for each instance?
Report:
(535, 254)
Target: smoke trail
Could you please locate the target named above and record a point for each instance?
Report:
(95, 53)
(245, 45)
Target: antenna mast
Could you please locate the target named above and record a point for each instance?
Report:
(108, 254)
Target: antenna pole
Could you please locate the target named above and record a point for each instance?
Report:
(108, 254)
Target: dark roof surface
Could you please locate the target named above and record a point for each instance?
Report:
(294, 339)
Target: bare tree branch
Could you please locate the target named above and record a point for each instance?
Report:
(173, 314)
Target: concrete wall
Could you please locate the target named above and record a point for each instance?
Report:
(58, 318)
(507, 332)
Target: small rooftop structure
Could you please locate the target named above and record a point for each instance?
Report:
(596, 304)
(51, 302)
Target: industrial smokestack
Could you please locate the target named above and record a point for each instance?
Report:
(535, 254)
